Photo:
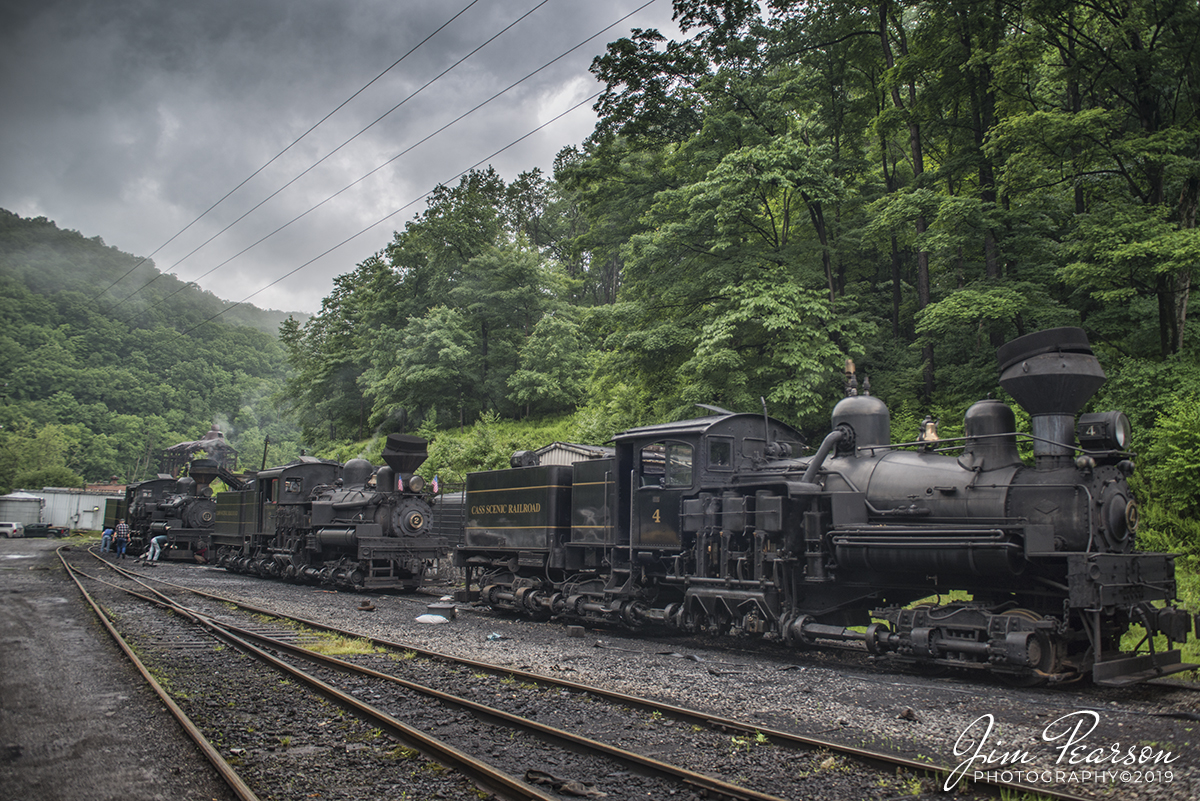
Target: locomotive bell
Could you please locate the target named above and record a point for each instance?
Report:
(1052, 374)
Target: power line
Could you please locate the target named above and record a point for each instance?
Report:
(321, 160)
(404, 152)
(271, 161)
(393, 213)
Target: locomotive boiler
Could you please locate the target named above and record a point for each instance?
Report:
(351, 525)
(936, 553)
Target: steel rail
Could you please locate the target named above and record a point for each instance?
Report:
(230, 776)
(481, 773)
(682, 713)
(711, 786)
(237, 637)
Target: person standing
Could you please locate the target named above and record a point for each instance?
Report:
(121, 538)
(106, 540)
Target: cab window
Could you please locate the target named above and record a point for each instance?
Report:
(720, 454)
(666, 464)
(652, 464)
(679, 465)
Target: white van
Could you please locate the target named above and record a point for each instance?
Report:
(11, 530)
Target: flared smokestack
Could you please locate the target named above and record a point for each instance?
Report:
(203, 471)
(404, 454)
(1052, 374)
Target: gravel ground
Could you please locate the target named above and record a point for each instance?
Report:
(77, 722)
(288, 745)
(836, 696)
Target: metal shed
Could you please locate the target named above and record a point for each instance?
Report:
(73, 508)
(568, 453)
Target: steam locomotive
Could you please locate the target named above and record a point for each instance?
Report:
(719, 524)
(349, 525)
(181, 508)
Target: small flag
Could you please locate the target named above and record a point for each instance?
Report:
(435, 485)
(399, 483)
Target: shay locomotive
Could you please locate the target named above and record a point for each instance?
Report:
(349, 525)
(720, 524)
(181, 508)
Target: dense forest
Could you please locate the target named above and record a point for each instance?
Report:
(904, 184)
(106, 362)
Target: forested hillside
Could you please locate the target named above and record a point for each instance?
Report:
(904, 184)
(96, 383)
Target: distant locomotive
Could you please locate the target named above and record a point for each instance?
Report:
(181, 508)
(346, 525)
(718, 523)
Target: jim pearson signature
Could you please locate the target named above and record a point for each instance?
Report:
(1070, 732)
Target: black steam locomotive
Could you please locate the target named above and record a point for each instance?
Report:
(349, 525)
(181, 508)
(719, 523)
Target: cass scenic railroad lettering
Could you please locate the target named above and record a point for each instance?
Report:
(507, 509)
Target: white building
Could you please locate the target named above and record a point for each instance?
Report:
(73, 508)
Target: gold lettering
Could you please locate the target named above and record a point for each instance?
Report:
(506, 509)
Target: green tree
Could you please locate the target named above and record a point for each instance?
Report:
(432, 364)
(554, 367)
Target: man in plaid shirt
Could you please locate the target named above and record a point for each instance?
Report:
(121, 540)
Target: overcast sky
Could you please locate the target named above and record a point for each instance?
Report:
(127, 119)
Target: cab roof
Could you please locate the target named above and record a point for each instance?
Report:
(723, 424)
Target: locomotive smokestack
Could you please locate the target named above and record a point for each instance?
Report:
(1052, 374)
(404, 454)
(203, 471)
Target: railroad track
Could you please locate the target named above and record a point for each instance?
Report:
(368, 682)
(635, 772)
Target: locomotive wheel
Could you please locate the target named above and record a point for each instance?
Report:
(1044, 655)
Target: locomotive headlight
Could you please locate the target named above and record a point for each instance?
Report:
(1108, 431)
(416, 483)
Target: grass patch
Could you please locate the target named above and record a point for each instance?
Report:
(336, 645)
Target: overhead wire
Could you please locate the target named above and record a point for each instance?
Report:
(388, 216)
(398, 156)
(328, 155)
(273, 159)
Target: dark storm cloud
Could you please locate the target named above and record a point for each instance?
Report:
(126, 119)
